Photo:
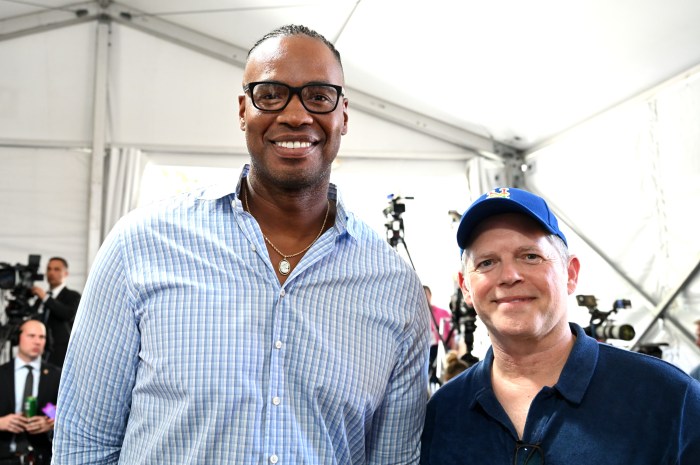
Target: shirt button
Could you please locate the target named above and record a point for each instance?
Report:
(252, 247)
(278, 344)
(282, 293)
(275, 400)
(274, 459)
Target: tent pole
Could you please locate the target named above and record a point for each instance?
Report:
(99, 117)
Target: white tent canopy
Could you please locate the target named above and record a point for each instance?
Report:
(599, 103)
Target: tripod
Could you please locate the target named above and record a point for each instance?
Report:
(395, 237)
(394, 224)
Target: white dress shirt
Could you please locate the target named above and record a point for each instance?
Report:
(21, 377)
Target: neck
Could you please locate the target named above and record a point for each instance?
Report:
(293, 214)
(540, 362)
(26, 359)
(285, 201)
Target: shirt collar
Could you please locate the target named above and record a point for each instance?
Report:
(35, 364)
(57, 290)
(575, 376)
(580, 366)
(344, 221)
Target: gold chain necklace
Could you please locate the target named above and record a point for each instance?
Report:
(284, 266)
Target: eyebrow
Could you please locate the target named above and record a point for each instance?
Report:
(519, 250)
(529, 248)
(309, 83)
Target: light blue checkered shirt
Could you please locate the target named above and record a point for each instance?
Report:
(187, 350)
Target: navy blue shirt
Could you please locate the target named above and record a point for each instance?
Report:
(610, 406)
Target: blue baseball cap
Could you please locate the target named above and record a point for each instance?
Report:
(506, 200)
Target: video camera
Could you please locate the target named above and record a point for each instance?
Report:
(19, 280)
(600, 327)
(394, 224)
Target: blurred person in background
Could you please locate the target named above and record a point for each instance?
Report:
(25, 435)
(57, 307)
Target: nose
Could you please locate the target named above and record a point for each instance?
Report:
(294, 114)
(509, 272)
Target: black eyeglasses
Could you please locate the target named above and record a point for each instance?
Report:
(528, 454)
(275, 96)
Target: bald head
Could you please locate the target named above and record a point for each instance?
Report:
(32, 340)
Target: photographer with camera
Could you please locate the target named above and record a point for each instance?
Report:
(56, 307)
(546, 392)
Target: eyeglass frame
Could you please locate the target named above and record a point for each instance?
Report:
(248, 89)
(536, 449)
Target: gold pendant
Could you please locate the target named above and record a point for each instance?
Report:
(284, 266)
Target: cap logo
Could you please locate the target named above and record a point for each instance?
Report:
(499, 192)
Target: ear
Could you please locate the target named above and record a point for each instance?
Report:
(241, 112)
(465, 290)
(345, 116)
(572, 271)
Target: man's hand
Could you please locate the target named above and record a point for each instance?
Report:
(38, 424)
(39, 292)
(14, 423)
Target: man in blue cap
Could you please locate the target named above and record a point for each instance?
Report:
(546, 392)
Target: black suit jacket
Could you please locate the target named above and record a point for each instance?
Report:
(48, 392)
(59, 314)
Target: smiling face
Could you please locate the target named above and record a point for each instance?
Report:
(517, 280)
(292, 148)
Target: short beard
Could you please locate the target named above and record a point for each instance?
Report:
(297, 181)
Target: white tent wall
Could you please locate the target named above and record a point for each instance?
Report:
(46, 86)
(45, 127)
(43, 200)
(628, 181)
(166, 95)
